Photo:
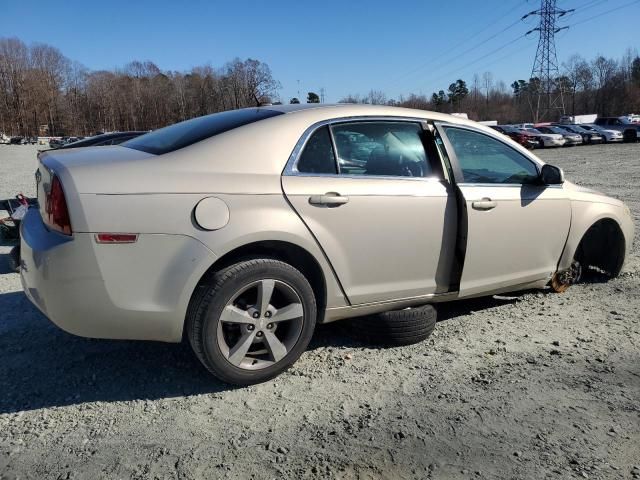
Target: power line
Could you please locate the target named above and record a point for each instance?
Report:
(566, 13)
(517, 39)
(517, 50)
(475, 47)
(479, 59)
(586, 6)
(601, 14)
(448, 51)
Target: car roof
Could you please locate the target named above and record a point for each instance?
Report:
(338, 110)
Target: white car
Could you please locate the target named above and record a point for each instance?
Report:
(608, 135)
(547, 139)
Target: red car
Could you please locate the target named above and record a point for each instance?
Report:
(526, 139)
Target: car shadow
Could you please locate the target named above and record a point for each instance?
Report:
(4, 264)
(42, 366)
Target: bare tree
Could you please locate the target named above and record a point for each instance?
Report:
(40, 87)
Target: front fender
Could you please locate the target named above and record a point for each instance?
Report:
(584, 214)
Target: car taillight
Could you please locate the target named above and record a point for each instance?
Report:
(57, 213)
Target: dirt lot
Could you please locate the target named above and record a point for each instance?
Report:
(530, 385)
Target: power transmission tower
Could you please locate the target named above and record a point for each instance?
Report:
(322, 95)
(545, 95)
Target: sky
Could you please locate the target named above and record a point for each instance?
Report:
(345, 47)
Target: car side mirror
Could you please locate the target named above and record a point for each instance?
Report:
(551, 175)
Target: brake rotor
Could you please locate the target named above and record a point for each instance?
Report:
(561, 281)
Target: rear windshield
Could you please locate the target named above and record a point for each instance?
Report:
(186, 133)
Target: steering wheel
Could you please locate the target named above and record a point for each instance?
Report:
(410, 168)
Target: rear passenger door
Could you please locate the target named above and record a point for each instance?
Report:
(378, 205)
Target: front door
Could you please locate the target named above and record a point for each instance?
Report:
(383, 215)
(516, 227)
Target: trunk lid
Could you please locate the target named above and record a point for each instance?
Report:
(86, 170)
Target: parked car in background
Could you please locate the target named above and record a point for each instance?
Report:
(578, 119)
(571, 139)
(607, 135)
(546, 139)
(245, 228)
(630, 130)
(56, 142)
(115, 138)
(526, 139)
(17, 140)
(588, 136)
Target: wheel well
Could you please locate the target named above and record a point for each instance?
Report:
(602, 248)
(290, 253)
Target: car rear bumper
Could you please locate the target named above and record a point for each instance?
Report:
(137, 291)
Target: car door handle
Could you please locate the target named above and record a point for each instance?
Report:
(484, 204)
(329, 199)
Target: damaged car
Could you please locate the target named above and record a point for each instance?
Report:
(243, 230)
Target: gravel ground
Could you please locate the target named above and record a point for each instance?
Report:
(530, 385)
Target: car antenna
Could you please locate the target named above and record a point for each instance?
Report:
(259, 103)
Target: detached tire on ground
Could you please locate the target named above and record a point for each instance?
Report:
(401, 327)
(249, 322)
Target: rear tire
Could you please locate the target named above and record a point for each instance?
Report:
(400, 327)
(226, 312)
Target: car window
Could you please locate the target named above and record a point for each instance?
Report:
(317, 156)
(381, 148)
(183, 134)
(484, 159)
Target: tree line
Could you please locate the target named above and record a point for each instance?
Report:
(605, 86)
(42, 90)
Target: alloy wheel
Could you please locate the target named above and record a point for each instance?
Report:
(260, 324)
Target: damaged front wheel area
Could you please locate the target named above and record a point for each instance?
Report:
(562, 280)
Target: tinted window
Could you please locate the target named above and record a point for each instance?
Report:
(484, 159)
(317, 156)
(186, 133)
(381, 148)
